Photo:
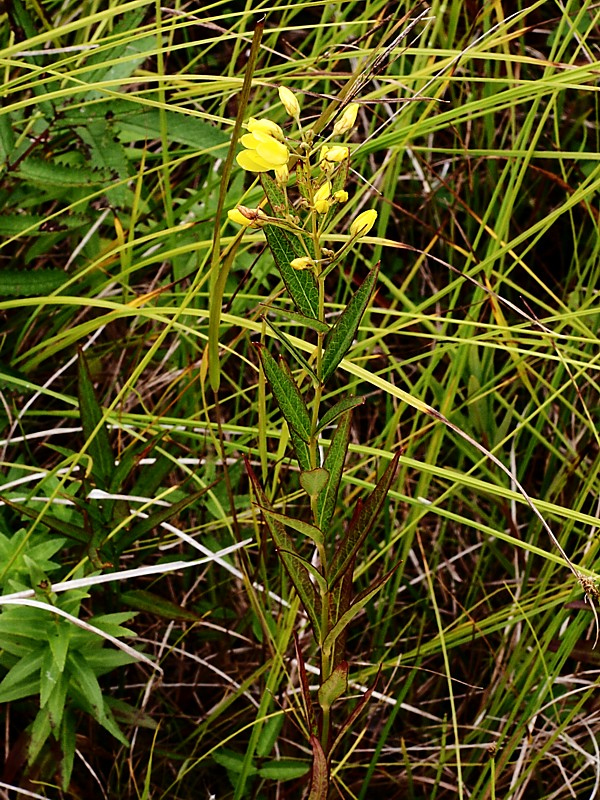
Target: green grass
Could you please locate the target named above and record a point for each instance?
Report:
(477, 141)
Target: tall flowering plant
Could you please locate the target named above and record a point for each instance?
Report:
(303, 185)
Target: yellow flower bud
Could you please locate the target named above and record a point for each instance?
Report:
(282, 175)
(363, 223)
(290, 103)
(242, 215)
(302, 263)
(340, 196)
(337, 153)
(235, 215)
(322, 198)
(346, 120)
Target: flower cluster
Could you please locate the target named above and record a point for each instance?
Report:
(266, 149)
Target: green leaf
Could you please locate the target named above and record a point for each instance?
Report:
(301, 319)
(67, 745)
(305, 528)
(284, 769)
(297, 572)
(144, 124)
(275, 195)
(54, 523)
(38, 733)
(292, 349)
(48, 173)
(94, 427)
(232, 761)
(268, 735)
(300, 284)
(30, 282)
(286, 393)
(339, 339)
(334, 464)
(361, 524)
(313, 481)
(23, 680)
(302, 451)
(152, 603)
(335, 686)
(345, 404)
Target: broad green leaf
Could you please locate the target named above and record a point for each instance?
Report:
(145, 124)
(335, 686)
(285, 769)
(301, 285)
(319, 785)
(305, 528)
(345, 404)
(48, 173)
(339, 339)
(30, 282)
(59, 645)
(334, 464)
(313, 481)
(296, 570)
(232, 761)
(361, 524)
(94, 427)
(84, 677)
(286, 393)
(268, 735)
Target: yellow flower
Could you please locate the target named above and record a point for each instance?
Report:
(263, 151)
(341, 195)
(265, 126)
(235, 215)
(363, 223)
(346, 120)
(290, 103)
(322, 198)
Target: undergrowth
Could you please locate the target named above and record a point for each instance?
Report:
(152, 643)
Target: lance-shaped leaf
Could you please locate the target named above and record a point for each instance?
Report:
(286, 393)
(285, 247)
(345, 404)
(339, 339)
(301, 449)
(357, 710)
(299, 525)
(298, 355)
(359, 603)
(361, 524)
(93, 426)
(319, 784)
(334, 464)
(306, 696)
(294, 567)
(295, 316)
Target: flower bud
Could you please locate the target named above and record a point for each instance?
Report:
(337, 153)
(346, 120)
(302, 263)
(322, 198)
(290, 103)
(242, 215)
(340, 196)
(282, 175)
(363, 223)
(265, 126)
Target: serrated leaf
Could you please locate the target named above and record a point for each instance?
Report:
(313, 481)
(94, 427)
(319, 784)
(284, 769)
(335, 686)
(362, 524)
(301, 285)
(143, 124)
(47, 173)
(286, 393)
(334, 464)
(297, 572)
(345, 404)
(339, 339)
